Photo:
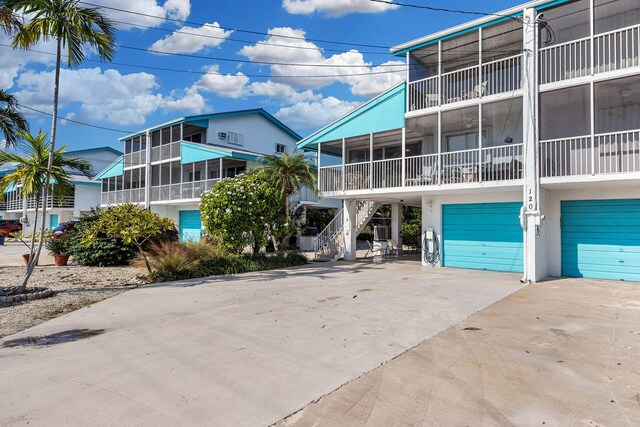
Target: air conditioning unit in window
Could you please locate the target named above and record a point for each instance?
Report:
(222, 135)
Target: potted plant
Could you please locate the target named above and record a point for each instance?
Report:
(58, 246)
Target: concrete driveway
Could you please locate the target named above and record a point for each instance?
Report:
(247, 350)
(11, 255)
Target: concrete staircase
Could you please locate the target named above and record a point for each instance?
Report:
(329, 245)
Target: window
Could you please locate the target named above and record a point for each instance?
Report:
(464, 141)
(235, 138)
(196, 137)
(281, 148)
(193, 176)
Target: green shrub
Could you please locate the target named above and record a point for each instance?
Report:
(181, 261)
(103, 252)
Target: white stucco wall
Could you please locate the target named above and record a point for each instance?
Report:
(87, 197)
(173, 211)
(260, 135)
(553, 218)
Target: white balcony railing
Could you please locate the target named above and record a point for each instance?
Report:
(501, 163)
(565, 61)
(617, 49)
(182, 191)
(500, 76)
(305, 195)
(134, 196)
(609, 153)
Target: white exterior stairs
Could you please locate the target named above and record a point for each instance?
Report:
(329, 245)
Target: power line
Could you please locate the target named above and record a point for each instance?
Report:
(262, 43)
(239, 30)
(75, 121)
(442, 9)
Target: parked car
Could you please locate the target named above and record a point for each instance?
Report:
(64, 227)
(10, 225)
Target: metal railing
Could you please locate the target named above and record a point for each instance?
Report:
(502, 163)
(166, 151)
(618, 49)
(421, 170)
(566, 157)
(565, 61)
(356, 176)
(182, 191)
(499, 76)
(387, 173)
(14, 202)
(617, 152)
(460, 166)
(330, 178)
(305, 195)
(134, 196)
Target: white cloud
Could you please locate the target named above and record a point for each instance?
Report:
(306, 114)
(227, 85)
(334, 7)
(192, 39)
(319, 71)
(12, 62)
(122, 99)
(281, 91)
(137, 9)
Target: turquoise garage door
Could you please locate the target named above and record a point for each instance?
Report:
(601, 239)
(190, 226)
(483, 236)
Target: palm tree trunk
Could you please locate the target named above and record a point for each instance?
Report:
(285, 239)
(54, 129)
(45, 192)
(31, 264)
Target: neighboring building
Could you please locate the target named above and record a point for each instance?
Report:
(168, 167)
(84, 196)
(538, 102)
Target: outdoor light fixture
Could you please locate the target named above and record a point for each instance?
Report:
(508, 140)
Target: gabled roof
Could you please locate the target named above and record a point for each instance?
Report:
(114, 169)
(191, 152)
(96, 149)
(384, 112)
(200, 120)
(491, 19)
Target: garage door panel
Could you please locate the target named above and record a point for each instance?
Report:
(484, 236)
(601, 239)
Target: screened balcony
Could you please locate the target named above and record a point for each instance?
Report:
(13, 202)
(458, 69)
(567, 146)
(453, 154)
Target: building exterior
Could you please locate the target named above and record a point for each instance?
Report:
(167, 168)
(519, 136)
(84, 196)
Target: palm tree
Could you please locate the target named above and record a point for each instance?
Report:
(290, 173)
(12, 122)
(9, 22)
(32, 175)
(72, 27)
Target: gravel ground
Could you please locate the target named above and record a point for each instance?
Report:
(75, 287)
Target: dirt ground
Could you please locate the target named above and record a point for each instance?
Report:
(560, 353)
(75, 287)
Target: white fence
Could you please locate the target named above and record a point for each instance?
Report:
(182, 191)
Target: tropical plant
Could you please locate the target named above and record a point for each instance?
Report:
(12, 122)
(35, 170)
(10, 23)
(72, 27)
(132, 225)
(104, 251)
(290, 173)
(242, 211)
(58, 244)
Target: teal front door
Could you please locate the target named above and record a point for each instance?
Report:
(190, 226)
(483, 236)
(601, 239)
(53, 221)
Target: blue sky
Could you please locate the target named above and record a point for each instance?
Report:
(129, 98)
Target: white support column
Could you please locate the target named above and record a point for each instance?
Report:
(344, 159)
(396, 223)
(403, 166)
(407, 77)
(349, 229)
(592, 107)
(439, 130)
(147, 186)
(531, 217)
(221, 169)
(370, 161)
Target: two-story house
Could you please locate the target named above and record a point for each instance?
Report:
(167, 168)
(518, 134)
(84, 196)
